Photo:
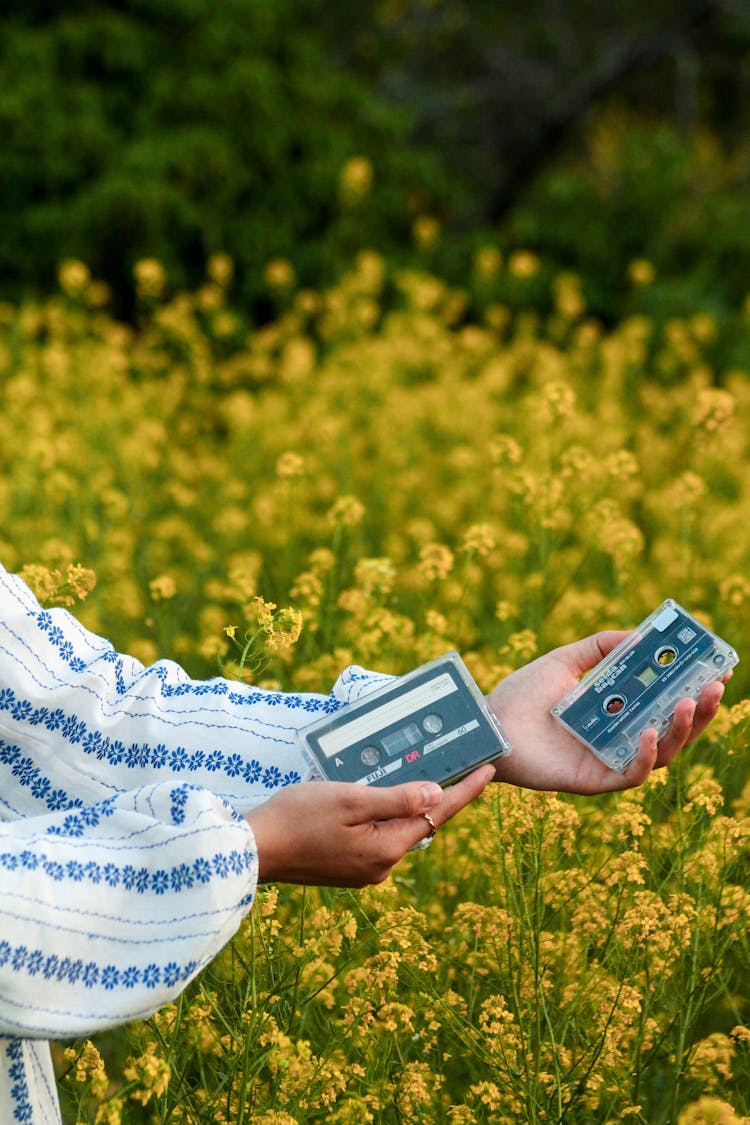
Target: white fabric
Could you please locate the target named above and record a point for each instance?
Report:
(125, 862)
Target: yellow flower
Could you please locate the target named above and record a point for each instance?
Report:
(376, 576)
(560, 401)
(480, 539)
(290, 465)
(74, 278)
(162, 588)
(110, 1112)
(265, 613)
(704, 791)
(347, 511)
(220, 268)
(54, 586)
(416, 1089)
(523, 264)
(425, 231)
(88, 1068)
(355, 180)
(279, 274)
(710, 1111)
(42, 581)
(487, 262)
(641, 272)
(150, 277)
(150, 1071)
(286, 630)
(435, 562)
(275, 1117)
(489, 1094)
(713, 409)
(711, 1060)
(569, 299)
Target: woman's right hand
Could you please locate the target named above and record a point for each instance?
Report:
(336, 834)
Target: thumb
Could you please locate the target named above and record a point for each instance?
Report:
(402, 801)
(587, 653)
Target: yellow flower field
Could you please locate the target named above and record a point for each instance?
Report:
(386, 470)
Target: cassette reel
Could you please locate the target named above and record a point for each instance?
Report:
(669, 655)
(432, 724)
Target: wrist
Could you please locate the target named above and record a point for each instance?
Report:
(265, 847)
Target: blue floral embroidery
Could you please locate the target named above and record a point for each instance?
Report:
(178, 803)
(137, 756)
(272, 777)
(216, 687)
(140, 880)
(66, 971)
(19, 1091)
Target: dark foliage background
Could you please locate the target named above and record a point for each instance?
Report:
(176, 128)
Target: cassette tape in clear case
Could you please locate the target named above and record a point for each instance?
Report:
(432, 724)
(670, 655)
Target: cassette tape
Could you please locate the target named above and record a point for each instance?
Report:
(670, 655)
(432, 724)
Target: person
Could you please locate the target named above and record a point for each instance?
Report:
(139, 809)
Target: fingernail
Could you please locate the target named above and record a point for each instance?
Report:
(431, 794)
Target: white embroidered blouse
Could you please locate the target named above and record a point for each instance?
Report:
(125, 862)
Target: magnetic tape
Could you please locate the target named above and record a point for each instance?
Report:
(432, 724)
(668, 656)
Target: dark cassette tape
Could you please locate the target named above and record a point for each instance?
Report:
(670, 655)
(432, 724)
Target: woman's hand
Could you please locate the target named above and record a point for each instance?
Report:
(331, 833)
(546, 756)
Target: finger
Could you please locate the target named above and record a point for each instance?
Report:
(413, 827)
(678, 732)
(708, 705)
(587, 653)
(645, 759)
(461, 794)
(397, 802)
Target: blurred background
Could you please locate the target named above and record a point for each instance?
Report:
(593, 134)
(339, 333)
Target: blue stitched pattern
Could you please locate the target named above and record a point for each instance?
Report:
(135, 756)
(19, 1091)
(216, 687)
(71, 692)
(39, 965)
(28, 774)
(179, 877)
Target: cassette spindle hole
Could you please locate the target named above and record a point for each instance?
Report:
(370, 755)
(665, 655)
(614, 704)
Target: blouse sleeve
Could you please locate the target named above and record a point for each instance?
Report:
(125, 862)
(107, 912)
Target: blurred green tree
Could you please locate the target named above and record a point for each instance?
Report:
(174, 128)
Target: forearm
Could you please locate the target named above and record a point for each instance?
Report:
(112, 723)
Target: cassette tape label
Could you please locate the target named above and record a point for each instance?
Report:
(668, 656)
(432, 724)
(434, 689)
